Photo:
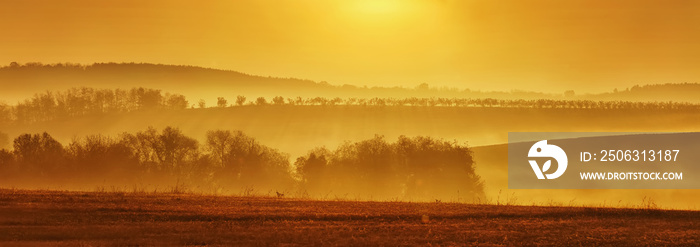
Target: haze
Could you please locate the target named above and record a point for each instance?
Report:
(547, 46)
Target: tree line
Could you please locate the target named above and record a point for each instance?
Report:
(464, 102)
(416, 168)
(147, 155)
(86, 101)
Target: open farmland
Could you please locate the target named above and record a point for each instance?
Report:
(117, 218)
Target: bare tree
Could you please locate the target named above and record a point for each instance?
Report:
(219, 143)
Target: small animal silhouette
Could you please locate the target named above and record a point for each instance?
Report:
(438, 201)
(279, 195)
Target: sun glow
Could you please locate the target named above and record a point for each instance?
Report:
(380, 6)
(386, 13)
(387, 9)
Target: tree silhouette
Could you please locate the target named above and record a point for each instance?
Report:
(243, 161)
(313, 169)
(174, 149)
(168, 151)
(38, 153)
(221, 102)
(176, 101)
(220, 144)
(278, 100)
(98, 155)
(240, 100)
(147, 98)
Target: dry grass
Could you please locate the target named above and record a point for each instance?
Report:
(30, 218)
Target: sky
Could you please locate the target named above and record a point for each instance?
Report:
(547, 46)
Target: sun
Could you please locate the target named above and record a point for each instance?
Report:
(380, 6)
(383, 12)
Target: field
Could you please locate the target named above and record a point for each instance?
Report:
(30, 218)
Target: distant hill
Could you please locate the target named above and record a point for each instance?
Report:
(679, 92)
(18, 82)
(22, 81)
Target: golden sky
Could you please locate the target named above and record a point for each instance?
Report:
(549, 46)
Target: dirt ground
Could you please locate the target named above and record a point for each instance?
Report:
(56, 218)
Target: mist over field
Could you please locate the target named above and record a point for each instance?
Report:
(309, 138)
